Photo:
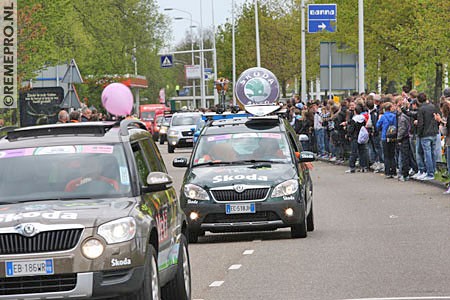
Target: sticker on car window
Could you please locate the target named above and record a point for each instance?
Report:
(245, 135)
(271, 135)
(55, 150)
(16, 152)
(124, 178)
(106, 149)
(218, 138)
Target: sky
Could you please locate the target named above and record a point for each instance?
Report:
(222, 12)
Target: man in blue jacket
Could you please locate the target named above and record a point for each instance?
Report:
(387, 119)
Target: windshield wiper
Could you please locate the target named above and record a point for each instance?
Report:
(210, 163)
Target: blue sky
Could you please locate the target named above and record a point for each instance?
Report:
(222, 12)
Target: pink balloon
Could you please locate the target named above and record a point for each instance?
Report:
(117, 99)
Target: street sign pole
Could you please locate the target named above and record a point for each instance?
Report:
(303, 54)
(361, 86)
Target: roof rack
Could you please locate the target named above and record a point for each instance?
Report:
(129, 124)
(88, 128)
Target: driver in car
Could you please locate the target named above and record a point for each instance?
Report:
(92, 177)
(268, 149)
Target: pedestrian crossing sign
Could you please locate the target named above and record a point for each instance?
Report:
(166, 61)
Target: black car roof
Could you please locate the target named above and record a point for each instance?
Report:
(70, 133)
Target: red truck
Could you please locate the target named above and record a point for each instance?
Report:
(149, 114)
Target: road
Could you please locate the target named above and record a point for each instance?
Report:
(374, 238)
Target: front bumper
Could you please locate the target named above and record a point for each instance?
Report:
(180, 142)
(268, 216)
(90, 285)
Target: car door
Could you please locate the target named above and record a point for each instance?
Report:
(166, 203)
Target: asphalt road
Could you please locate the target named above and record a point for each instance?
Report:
(375, 238)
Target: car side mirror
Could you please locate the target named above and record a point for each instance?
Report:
(305, 156)
(180, 162)
(303, 138)
(158, 181)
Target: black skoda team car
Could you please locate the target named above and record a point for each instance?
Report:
(247, 173)
(87, 211)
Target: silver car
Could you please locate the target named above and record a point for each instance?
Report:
(181, 130)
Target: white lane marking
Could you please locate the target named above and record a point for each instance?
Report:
(405, 298)
(216, 283)
(257, 241)
(248, 252)
(234, 267)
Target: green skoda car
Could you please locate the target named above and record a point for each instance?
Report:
(247, 173)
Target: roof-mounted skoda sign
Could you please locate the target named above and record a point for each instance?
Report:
(257, 86)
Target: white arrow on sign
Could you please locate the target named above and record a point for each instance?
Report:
(322, 26)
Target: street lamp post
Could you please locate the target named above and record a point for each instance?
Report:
(234, 53)
(216, 95)
(303, 54)
(361, 75)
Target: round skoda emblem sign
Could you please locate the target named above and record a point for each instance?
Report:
(257, 86)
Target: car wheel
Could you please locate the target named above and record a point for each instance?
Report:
(150, 286)
(310, 219)
(170, 149)
(300, 230)
(179, 288)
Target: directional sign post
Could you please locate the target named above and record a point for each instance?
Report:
(166, 61)
(322, 17)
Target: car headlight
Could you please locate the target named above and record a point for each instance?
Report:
(286, 188)
(173, 132)
(118, 231)
(92, 248)
(162, 130)
(193, 191)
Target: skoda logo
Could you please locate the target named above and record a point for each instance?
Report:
(239, 188)
(28, 229)
(257, 86)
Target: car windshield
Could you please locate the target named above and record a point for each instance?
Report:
(63, 172)
(185, 120)
(270, 147)
(147, 115)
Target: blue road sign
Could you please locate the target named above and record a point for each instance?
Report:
(166, 61)
(322, 17)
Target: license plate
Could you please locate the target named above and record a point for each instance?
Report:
(243, 208)
(29, 267)
(189, 140)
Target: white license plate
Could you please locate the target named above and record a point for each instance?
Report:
(244, 208)
(29, 267)
(189, 140)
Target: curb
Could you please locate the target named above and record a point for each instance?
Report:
(433, 182)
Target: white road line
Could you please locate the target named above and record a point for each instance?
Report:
(234, 267)
(405, 298)
(216, 283)
(257, 241)
(248, 252)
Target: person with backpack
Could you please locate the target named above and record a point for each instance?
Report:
(387, 124)
(358, 136)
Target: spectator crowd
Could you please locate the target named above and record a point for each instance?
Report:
(403, 135)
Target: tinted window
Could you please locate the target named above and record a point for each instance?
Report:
(153, 156)
(141, 163)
